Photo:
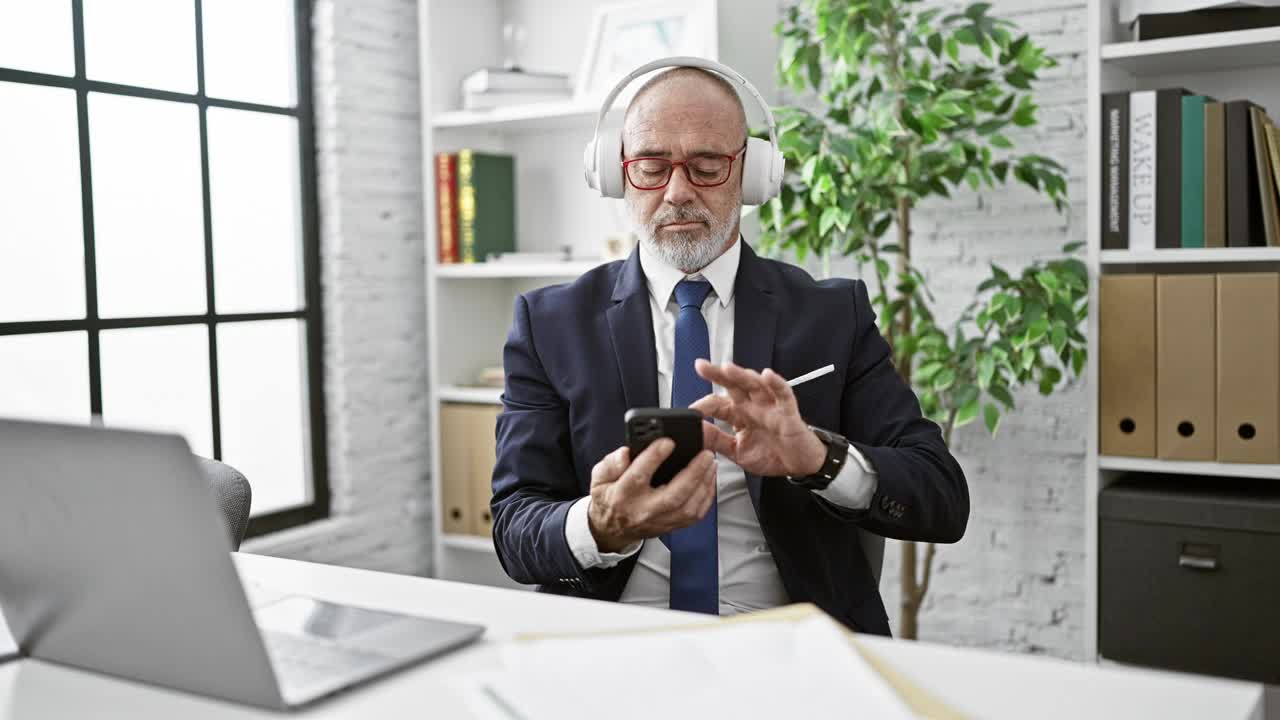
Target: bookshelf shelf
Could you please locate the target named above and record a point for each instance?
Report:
(1191, 255)
(475, 543)
(1196, 53)
(477, 395)
(567, 269)
(536, 117)
(1132, 464)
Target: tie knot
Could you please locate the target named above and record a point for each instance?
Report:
(691, 293)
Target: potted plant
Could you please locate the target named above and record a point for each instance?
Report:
(913, 102)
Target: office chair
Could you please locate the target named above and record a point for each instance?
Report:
(873, 548)
(234, 496)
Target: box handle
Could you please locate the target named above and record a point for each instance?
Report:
(1198, 557)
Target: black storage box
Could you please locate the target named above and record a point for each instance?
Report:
(1189, 575)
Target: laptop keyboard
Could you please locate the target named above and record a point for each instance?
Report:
(304, 662)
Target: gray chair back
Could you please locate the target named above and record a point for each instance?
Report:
(873, 548)
(232, 493)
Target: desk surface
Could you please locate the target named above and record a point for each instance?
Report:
(981, 683)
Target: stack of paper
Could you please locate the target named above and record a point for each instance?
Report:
(779, 669)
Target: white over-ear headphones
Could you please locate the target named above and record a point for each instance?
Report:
(762, 164)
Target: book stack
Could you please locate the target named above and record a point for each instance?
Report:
(1181, 170)
(1155, 19)
(475, 206)
(489, 88)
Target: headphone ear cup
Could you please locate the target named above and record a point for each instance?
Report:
(761, 172)
(589, 165)
(609, 163)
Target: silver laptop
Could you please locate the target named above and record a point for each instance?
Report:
(113, 559)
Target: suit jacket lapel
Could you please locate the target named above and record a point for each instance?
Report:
(631, 328)
(755, 319)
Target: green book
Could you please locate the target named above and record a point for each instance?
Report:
(486, 205)
(1193, 170)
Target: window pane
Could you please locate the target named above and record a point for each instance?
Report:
(147, 206)
(150, 43)
(36, 36)
(249, 51)
(261, 376)
(45, 376)
(41, 239)
(157, 378)
(254, 198)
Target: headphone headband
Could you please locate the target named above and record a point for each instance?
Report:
(688, 61)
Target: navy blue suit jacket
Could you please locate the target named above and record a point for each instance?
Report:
(579, 355)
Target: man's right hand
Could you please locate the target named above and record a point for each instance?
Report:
(625, 509)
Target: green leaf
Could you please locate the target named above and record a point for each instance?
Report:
(807, 171)
(829, 217)
(1048, 280)
(1059, 338)
(966, 394)
(935, 45)
(986, 370)
(1001, 393)
(927, 371)
(967, 413)
(953, 49)
(1001, 141)
(992, 416)
(944, 379)
(1078, 358)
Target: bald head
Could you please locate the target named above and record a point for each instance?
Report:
(690, 97)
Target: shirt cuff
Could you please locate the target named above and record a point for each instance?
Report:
(577, 530)
(852, 489)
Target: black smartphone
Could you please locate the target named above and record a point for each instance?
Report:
(684, 426)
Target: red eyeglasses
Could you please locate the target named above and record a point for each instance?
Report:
(653, 173)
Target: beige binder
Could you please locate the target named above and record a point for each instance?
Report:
(1185, 378)
(1127, 365)
(1248, 367)
(455, 468)
(483, 456)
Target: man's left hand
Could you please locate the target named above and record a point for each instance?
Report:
(770, 438)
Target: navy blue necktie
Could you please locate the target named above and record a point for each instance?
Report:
(695, 571)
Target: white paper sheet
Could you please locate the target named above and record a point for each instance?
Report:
(767, 670)
(7, 645)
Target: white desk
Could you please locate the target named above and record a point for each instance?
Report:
(981, 683)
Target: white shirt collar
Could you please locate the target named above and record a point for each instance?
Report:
(663, 278)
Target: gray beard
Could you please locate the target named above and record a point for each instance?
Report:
(683, 250)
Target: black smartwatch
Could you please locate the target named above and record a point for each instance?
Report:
(837, 454)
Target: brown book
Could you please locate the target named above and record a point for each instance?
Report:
(1215, 179)
(484, 455)
(1248, 367)
(447, 207)
(1185, 379)
(455, 468)
(1127, 365)
(1273, 146)
(1266, 183)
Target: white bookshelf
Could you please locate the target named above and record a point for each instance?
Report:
(1227, 66)
(468, 307)
(514, 270)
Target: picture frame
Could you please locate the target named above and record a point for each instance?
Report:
(626, 36)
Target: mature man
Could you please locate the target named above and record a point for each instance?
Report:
(759, 522)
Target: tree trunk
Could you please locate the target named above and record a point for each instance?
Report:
(908, 625)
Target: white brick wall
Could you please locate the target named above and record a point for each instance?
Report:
(370, 190)
(1015, 582)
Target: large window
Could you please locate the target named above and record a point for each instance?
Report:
(158, 251)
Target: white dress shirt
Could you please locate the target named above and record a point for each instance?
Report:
(749, 578)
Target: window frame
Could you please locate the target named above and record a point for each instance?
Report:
(311, 312)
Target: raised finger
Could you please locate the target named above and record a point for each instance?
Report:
(718, 407)
(749, 381)
(779, 389)
(717, 440)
